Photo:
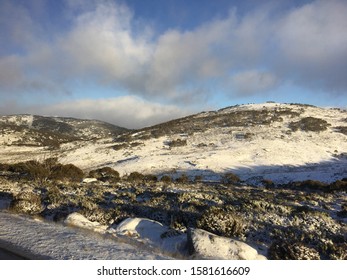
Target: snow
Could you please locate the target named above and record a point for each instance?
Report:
(36, 239)
(210, 246)
(273, 151)
(152, 233)
(78, 220)
(134, 238)
(89, 180)
(270, 153)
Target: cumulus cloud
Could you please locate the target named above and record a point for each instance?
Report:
(104, 44)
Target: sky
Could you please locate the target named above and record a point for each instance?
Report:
(136, 63)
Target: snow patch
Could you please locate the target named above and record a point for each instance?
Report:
(89, 180)
(206, 245)
(78, 220)
(154, 234)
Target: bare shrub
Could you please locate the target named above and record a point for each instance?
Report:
(339, 185)
(49, 169)
(135, 176)
(286, 250)
(268, 183)
(119, 147)
(150, 178)
(105, 174)
(68, 172)
(54, 195)
(178, 143)
(222, 221)
(4, 167)
(166, 179)
(183, 179)
(27, 203)
(309, 124)
(230, 178)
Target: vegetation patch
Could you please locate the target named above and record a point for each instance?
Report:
(309, 124)
(284, 250)
(302, 220)
(222, 221)
(177, 143)
(27, 203)
(105, 174)
(231, 178)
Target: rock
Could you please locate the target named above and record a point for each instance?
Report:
(89, 180)
(154, 234)
(143, 228)
(205, 245)
(78, 220)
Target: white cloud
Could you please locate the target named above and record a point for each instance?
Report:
(103, 45)
(312, 45)
(253, 82)
(126, 111)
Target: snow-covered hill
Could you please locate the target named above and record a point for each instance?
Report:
(282, 142)
(275, 141)
(43, 131)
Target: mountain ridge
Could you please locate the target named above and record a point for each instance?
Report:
(53, 131)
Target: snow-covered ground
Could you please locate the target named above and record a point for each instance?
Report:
(38, 239)
(272, 152)
(133, 239)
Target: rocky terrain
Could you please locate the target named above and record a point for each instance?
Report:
(272, 176)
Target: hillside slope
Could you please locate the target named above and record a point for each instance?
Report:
(282, 142)
(24, 137)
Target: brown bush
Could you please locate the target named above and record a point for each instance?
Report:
(339, 185)
(105, 174)
(222, 221)
(309, 124)
(150, 178)
(231, 178)
(135, 176)
(183, 179)
(285, 250)
(166, 179)
(4, 167)
(27, 203)
(268, 183)
(68, 172)
(178, 143)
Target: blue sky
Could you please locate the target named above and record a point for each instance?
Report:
(136, 63)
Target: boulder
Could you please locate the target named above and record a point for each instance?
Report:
(153, 234)
(78, 220)
(89, 180)
(205, 245)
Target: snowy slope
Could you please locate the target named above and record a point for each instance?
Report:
(30, 129)
(36, 239)
(271, 150)
(254, 141)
